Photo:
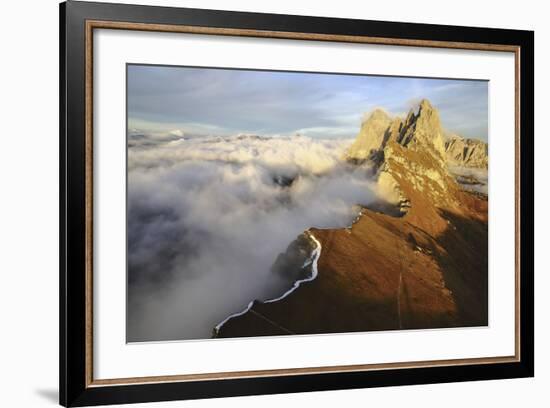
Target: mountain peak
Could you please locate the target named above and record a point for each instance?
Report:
(425, 105)
(372, 136)
(376, 114)
(427, 132)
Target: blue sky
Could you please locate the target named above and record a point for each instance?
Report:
(206, 101)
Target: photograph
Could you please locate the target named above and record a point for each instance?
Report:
(268, 203)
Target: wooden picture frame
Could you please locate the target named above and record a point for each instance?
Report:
(78, 20)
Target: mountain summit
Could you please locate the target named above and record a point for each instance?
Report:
(408, 155)
(411, 154)
(421, 130)
(467, 152)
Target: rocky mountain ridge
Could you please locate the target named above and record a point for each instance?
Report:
(424, 268)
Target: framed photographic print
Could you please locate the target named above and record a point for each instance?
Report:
(256, 203)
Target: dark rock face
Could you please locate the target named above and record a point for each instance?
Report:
(290, 266)
(283, 181)
(295, 262)
(372, 136)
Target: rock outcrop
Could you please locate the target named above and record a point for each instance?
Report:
(372, 136)
(467, 152)
(413, 147)
(418, 131)
(421, 135)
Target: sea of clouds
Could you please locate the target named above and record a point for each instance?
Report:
(478, 178)
(207, 217)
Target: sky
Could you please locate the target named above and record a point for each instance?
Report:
(223, 102)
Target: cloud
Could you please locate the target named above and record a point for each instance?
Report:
(212, 101)
(176, 132)
(472, 179)
(235, 100)
(207, 218)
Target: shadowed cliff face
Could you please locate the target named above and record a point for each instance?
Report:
(426, 268)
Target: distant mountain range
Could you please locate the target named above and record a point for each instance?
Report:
(467, 152)
(423, 264)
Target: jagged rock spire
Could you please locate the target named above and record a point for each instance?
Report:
(418, 131)
(372, 136)
(425, 131)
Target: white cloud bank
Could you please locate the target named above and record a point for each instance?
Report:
(471, 179)
(207, 218)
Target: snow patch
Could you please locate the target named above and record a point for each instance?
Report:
(217, 328)
(314, 273)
